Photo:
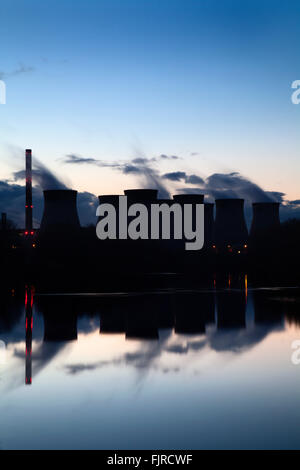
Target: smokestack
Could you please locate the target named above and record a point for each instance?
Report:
(265, 217)
(60, 212)
(230, 224)
(28, 203)
(3, 221)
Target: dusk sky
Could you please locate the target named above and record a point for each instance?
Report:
(208, 81)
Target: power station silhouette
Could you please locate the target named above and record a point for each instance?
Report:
(61, 243)
(227, 229)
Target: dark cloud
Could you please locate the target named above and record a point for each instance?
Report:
(12, 201)
(80, 160)
(42, 177)
(140, 166)
(169, 157)
(182, 176)
(296, 202)
(191, 191)
(194, 179)
(175, 176)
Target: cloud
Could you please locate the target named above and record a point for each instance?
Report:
(21, 69)
(181, 175)
(169, 157)
(41, 176)
(296, 202)
(140, 166)
(12, 201)
(194, 179)
(175, 176)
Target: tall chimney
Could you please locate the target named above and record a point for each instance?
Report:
(28, 204)
(230, 224)
(265, 217)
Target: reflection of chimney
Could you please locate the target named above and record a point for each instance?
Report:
(28, 204)
(265, 217)
(29, 324)
(3, 221)
(60, 212)
(230, 224)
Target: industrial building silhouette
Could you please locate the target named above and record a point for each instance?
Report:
(62, 243)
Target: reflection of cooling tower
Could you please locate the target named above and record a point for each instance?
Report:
(231, 310)
(60, 212)
(266, 309)
(60, 317)
(141, 318)
(112, 315)
(265, 217)
(230, 224)
(189, 316)
(60, 328)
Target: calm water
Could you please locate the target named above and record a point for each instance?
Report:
(206, 369)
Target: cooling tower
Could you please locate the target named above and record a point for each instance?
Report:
(112, 199)
(230, 224)
(265, 217)
(192, 199)
(60, 212)
(208, 224)
(141, 195)
(189, 198)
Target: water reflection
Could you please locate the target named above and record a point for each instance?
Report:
(231, 317)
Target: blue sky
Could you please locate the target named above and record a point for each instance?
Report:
(206, 80)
